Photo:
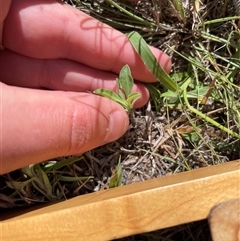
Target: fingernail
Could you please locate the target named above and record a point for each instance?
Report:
(118, 124)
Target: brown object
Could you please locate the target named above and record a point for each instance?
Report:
(224, 220)
(136, 208)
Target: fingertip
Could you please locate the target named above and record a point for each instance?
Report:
(163, 59)
(117, 126)
(140, 88)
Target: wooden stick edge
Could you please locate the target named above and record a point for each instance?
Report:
(136, 208)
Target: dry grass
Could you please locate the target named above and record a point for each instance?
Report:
(197, 231)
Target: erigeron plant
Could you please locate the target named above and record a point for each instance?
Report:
(125, 83)
(124, 95)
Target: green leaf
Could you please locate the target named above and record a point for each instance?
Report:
(120, 92)
(180, 76)
(73, 179)
(28, 170)
(132, 98)
(111, 95)
(116, 178)
(198, 93)
(150, 61)
(155, 95)
(192, 137)
(179, 7)
(43, 191)
(170, 94)
(19, 185)
(63, 163)
(126, 80)
(44, 178)
(124, 88)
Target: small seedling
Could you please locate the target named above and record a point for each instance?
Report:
(124, 87)
(125, 81)
(116, 178)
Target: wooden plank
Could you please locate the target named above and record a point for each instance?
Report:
(127, 210)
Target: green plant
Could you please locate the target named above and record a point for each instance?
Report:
(125, 81)
(202, 37)
(42, 182)
(150, 61)
(124, 87)
(173, 91)
(116, 178)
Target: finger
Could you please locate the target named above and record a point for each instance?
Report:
(38, 125)
(59, 74)
(48, 29)
(4, 8)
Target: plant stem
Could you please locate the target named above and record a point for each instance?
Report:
(131, 14)
(205, 117)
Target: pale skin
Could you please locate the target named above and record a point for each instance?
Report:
(53, 57)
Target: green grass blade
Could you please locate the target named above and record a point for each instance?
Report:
(205, 117)
(139, 19)
(155, 95)
(116, 178)
(42, 191)
(73, 179)
(150, 61)
(28, 170)
(21, 184)
(179, 7)
(63, 163)
(44, 178)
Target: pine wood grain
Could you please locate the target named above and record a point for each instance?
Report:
(127, 210)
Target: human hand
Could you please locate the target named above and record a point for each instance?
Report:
(52, 46)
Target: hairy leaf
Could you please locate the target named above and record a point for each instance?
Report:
(132, 98)
(150, 61)
(111, 95)
(126, 80)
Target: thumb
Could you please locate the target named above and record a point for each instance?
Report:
(38, 125)
(4, 8)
